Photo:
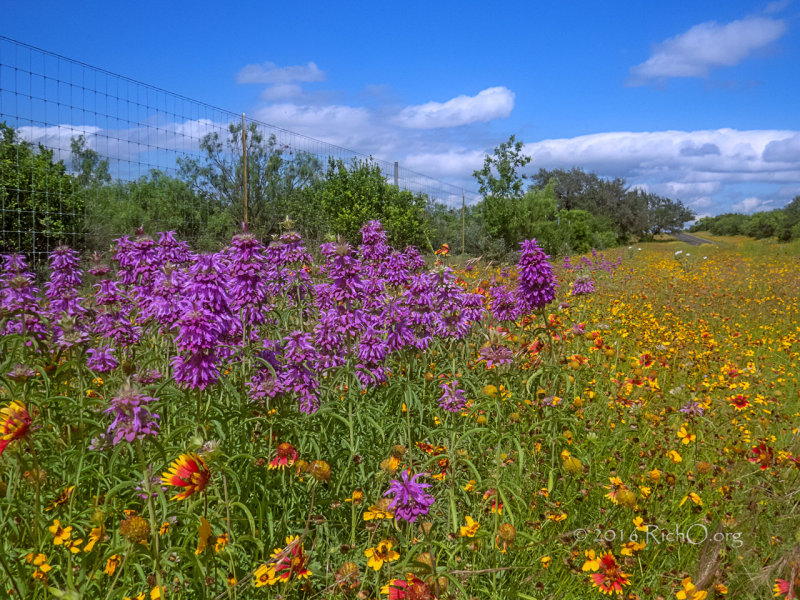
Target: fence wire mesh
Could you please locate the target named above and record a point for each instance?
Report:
(87, 155)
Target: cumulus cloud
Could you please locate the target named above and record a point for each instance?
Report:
(269, 72)
(281, 91)
(785, 150)
(457, 162)
(491, 103)
(660, 161)
(751, 204)
(342, 125)
(776, 7)
(706, 46)
(131, 144)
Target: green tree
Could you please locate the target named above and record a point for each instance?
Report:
(349, 197)
(666, 215)
(275, 177)
(89, 167)
(40, 206)
(155, 202)
(501, 185)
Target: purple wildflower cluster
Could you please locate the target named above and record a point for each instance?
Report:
(367, 304)
(582, 286)
(410, 499)
(453, 399)
(598, 262)
(537, 284)
(18, 299)
(132, 419)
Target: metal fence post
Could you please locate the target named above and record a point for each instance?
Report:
(244, 166)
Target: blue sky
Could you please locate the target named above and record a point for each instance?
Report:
(698, 103)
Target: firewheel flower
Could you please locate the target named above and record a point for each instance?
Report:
(284, 458)
(285, 563)
(188, 471)
(610, 578)
(14, 423)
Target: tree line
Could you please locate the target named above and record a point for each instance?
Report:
(781, 223)
(44, 202)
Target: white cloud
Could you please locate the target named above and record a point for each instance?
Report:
(776, 6)
(341, 125)
(658, 160)
(59, 137)
(491, 103)
(785, 150)
(269, 72)
(751, 204)
(700, 203)
(453, 163)
(282, 91)
(706, 46)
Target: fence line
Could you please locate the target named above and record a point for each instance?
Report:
(125, 130)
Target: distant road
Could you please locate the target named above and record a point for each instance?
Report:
(692, 240)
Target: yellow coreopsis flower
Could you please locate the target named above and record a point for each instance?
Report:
(60, 534)
(693, 497)
(470, 529)
(592, 563)
(380, 554)
(111, 564)
(690, 592)
(684, 436)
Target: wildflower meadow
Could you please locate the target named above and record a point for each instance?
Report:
(278, 421)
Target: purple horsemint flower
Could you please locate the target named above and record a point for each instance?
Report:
(266, 382)
(344, 270)
(207, 284)
(453, 399)
(449, 317)
(163, 303)
(132, 419)
(372, 352)
(197, 370)
(418, 297)
(495, 355)
(414, 259)
(410, 499)
(20, 373)
(170, 250)
(582, 286)
(101, 359)
(396, 318)
(152, 483)
(122, 250)
(248, 286)
(290, 265)
(65, 277)
(397, 271)
(536, 283)
(147, 376)
(143, 260)
(374, 251)
(18, 299)
(114, 319)
(692, 409)
(329, 340)
(503, 304)
(299, 356)
(98, 268)
(199, 331)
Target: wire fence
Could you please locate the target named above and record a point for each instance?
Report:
(75, 137)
